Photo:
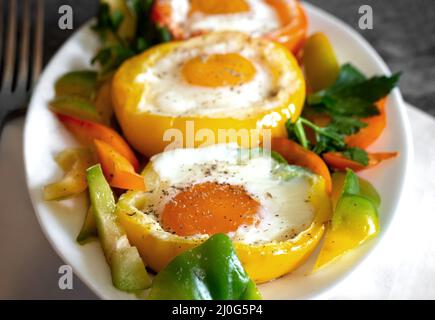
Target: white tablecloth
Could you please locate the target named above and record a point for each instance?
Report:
(401, 267)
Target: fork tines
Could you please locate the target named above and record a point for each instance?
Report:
(21, 35)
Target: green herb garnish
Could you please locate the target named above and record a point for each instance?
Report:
(351, 98)
(353, 95)
(118, 46)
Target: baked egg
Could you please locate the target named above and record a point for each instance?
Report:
(281, 20)
(273, 212)
(215, 82)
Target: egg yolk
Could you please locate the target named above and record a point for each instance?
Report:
(219, 6)
(218, 70)
(209, 208)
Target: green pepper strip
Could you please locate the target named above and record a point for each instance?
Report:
(211, 271)
(128, 270)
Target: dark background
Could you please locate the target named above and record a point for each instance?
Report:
(403, 34)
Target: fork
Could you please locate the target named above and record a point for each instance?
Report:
(21, 54)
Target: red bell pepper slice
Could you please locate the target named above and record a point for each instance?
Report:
(86, 132)
(293, 34)
(338, 161)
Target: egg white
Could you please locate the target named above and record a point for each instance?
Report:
(285, 210)
(260, 19)
(166, 91)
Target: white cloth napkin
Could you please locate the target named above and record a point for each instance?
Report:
(401, 267)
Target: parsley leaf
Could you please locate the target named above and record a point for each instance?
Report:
(328, 139)
(117, 18)
(346, 125)
(353, 94)
(349, 75)
(105, 22)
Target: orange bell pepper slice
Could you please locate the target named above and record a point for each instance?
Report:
(375, 126)
(339, 162)
(298, 155)
(118, 171)
(87, 131)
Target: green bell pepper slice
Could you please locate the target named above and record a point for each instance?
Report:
(88, 232)
(366, 189)
(354, 222)
(76, 107)
(127, 268)
(211, 271)
(77, 83)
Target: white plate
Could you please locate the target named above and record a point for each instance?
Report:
(44, 137)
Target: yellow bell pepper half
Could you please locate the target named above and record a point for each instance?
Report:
(263, 262)
(145, 130)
